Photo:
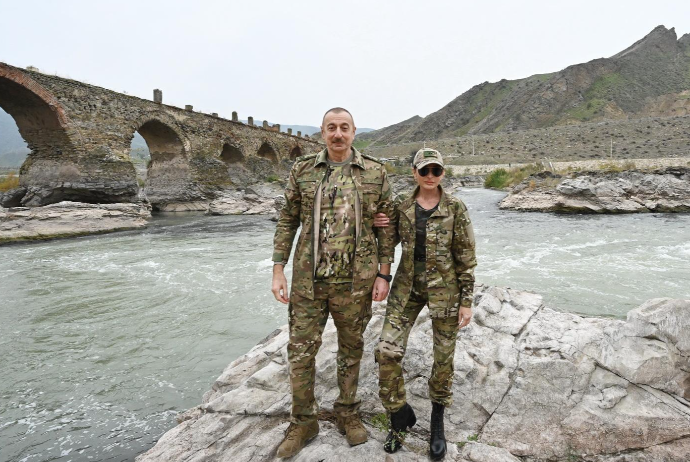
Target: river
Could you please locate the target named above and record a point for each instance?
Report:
(104, 339)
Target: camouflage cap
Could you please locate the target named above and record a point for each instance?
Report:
(427, 156)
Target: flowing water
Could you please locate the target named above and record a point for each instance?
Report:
(104, 339)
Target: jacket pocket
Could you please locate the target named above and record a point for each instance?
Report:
(307, 190)
(371, 194)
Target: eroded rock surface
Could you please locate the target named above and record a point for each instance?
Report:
(260, 199)
(66, 219)
(666, 190)
(530, 384)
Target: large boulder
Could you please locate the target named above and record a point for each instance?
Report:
(66, 219)
(531, 384)
(666, 190)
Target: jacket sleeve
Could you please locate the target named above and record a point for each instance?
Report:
(288, 221)
(464, 254)
(385, 237)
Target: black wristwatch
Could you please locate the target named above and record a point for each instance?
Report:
(388, 278)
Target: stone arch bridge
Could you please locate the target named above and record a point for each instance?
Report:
(80, 137)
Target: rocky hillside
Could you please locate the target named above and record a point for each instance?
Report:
(643, 138)
(649, 78)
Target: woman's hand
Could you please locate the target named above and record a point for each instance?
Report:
(464, 317)
(381, 220)
(380, 291)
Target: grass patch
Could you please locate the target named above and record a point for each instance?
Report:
(470, 439)
(380, 422)
(360, 145)
(272, 178)
(588, 110)
(11, 181)
(614, 167)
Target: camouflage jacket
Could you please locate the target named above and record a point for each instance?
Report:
(450, 255)
(302, 204)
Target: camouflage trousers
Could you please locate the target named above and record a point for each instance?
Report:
(307, 319)
(393, 343)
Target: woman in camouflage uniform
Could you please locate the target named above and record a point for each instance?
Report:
(436, 269)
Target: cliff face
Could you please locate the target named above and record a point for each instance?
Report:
(641, 80)
(530, 384)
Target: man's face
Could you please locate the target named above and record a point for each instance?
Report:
(338, 130)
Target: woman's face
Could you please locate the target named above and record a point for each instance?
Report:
(429, 182)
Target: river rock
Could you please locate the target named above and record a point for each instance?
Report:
(242, 203)
(65, 219)
(666, 190)
(12, 198)
(531, 384)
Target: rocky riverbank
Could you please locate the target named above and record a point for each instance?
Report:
(664, 190)
(530, 384)
(69, 219)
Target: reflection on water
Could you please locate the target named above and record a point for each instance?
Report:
(104, 339)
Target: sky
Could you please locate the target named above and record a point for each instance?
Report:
(288, 62)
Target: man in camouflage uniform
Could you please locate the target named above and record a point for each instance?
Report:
(437, 272)
(333, 195)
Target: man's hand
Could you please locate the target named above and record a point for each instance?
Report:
(381, 221)
(380, 291)
(464, 317)
(279, 285)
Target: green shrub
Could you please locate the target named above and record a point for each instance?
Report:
(502, 178)
(497, 179)
(272, 178)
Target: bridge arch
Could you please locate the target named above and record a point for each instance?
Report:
(168, 171)
(295, 153)
(267, 151)
(38, 114)
(232, 153)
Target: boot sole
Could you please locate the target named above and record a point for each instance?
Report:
(441, 456)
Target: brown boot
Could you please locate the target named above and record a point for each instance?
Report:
(296, 437)
(351, 426)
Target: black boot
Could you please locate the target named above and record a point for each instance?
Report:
(401, 420)
(437, 444)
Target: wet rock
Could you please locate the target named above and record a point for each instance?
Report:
(66, 219)
(12, 198)
(666, 190)
(530, 384)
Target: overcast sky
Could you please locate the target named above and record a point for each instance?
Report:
(288, 62)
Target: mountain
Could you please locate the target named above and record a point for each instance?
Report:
(305, 129)
(649, 75)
